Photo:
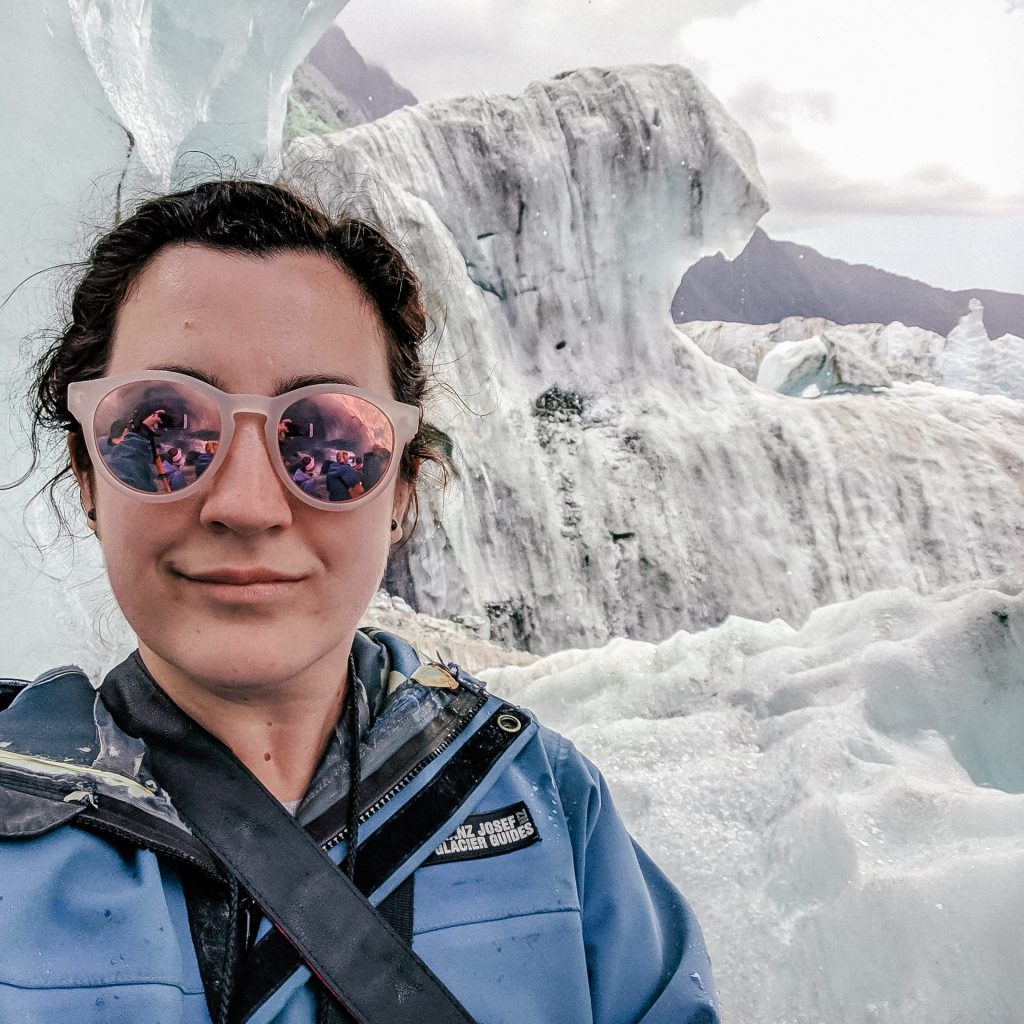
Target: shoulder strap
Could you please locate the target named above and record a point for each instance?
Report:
(390, 854)
(332, 927)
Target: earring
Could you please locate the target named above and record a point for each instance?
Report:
(394, 525)
(91, 514)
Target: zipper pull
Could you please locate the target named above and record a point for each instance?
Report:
(81, 796)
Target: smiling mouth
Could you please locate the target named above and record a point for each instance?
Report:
(241, 585)
(240, 577)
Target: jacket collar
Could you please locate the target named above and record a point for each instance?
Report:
(64, 755)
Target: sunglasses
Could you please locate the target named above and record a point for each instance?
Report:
(160, 436)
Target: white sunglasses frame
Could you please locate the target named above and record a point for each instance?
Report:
(84, 398)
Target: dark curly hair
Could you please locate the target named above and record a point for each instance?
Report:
(249, 217)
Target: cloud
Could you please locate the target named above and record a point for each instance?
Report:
(844, 105)
(804, 188)
(466, 46)
(774, 110)
(695, 10)
(1014, 5)
(814, 190)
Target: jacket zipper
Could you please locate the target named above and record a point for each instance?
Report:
(404, 781)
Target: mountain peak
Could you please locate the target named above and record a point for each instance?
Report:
(773, 279)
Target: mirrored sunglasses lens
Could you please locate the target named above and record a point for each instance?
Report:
(335, 447)
(155, 436)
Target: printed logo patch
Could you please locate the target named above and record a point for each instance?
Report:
(487, 835)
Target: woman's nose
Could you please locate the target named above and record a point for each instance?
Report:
(246, 495)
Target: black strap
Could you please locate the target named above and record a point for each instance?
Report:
(273, 961)
(397, 909)
(321, 912)
(380, 856)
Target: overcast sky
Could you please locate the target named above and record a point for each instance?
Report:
(889, 132)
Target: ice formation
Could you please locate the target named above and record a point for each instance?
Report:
(842, 803)
(973, 361)
(874, 354)
(794, 367)
(191, 79)
(894, 351)
(640, 486)
(105, 97)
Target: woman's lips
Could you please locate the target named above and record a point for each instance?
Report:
(243, 586)
(242, 577)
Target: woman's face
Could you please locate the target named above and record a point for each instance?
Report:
(253, 326)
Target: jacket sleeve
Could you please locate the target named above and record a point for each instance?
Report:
(645, 952)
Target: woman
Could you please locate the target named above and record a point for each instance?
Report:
(147, 836)
(206, 457)
(343, 480)
(174, 463)
(305, 475)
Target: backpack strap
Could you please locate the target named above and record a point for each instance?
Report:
(388, 856)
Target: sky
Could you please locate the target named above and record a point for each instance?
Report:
(889, 132)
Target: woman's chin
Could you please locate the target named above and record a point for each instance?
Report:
(243, 666)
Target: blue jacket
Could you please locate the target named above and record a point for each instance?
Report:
(132, 462)
(531, 902)
(341, 477)
(305, 481)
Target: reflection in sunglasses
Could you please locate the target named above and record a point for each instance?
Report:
(161, 437)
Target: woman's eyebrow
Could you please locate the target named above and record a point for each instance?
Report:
(289, 384)
(209, 378)
(305, 381)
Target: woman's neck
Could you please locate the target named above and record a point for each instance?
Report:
(278, 730)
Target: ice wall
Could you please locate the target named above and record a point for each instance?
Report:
(107, 96)
(842, 803)
(617, 480)
(104, 99)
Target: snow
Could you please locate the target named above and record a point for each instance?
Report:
(842, 803)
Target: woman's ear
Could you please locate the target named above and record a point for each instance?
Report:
(84, 479)
(403, 495)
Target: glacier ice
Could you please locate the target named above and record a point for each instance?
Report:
(973, 361)
(842, 803)
(641, 486)
(822, 364)
(863, 354)
(106, 98)
(877, 354)
(794, 366)
(187, 80)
